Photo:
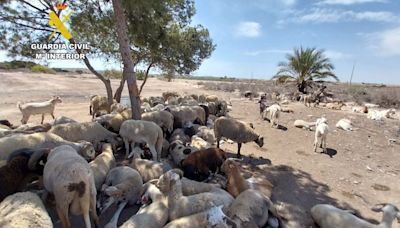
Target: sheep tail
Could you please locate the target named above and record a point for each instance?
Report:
(19, 106)
(78, 187)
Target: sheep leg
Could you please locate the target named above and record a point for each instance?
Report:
(315, 144)
(126, 142)
(94, 211)
(238, 152)
(42, 118)
(63, 214)
(153, 153)
(52, 115)
(218, 142)
(90, 109)
(85, 209)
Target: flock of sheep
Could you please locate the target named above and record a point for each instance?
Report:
(173, 167)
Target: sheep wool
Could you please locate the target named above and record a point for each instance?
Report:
(235, 130)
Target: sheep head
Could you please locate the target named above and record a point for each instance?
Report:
(37, 160)
(260, 141)
(87, 150)
(388, 209)
(56, 100)
(163, 182)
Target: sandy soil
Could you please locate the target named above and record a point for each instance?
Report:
(360, 169)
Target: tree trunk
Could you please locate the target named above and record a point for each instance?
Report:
(118, 92)
(106, 81)
(124, 48)
(145, 78)
(302, 87)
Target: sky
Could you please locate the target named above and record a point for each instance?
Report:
(253, 36)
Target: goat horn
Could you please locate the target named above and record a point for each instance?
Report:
(35, 157)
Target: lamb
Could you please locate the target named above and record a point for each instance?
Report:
(237, 131)
(102, 164)
(121, 183)
(272, 113)
(46, 107)
(321, 133)
(304, 124)
(328, 216)
(24, 209)
(345, 124)
(163, 119)
(199, 143)
(236, 183)
(251, 209)
(97, 104)
(90, 131)
(206, 134)
(213, 217)
(380, 115)
(63, 120)
(199, 164)
(154, 214)
(139, 131)
(181, 206)
(149, 170)
(19, 165)
(42, 140)
(68, 176)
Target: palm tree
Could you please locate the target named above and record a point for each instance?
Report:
(303, 67)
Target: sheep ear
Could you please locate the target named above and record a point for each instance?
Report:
(113, 191)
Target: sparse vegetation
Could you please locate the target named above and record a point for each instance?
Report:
(16, 64)
(42, 69)
(113, 73)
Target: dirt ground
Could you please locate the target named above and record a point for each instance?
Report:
(361, 168)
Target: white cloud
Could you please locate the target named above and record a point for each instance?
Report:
(268, 51)
(385, 43)
(326, 15)
(350, 2)
(337, 55)
(248, 29)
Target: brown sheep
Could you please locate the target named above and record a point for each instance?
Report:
(199, 164)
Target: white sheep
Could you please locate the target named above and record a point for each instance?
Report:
(122, 182)
(24, 209)
(147, 169)
(206, 134)
(321, 133)
(163, 119)
(272, 113)
(304, 124)
(237, 131)
(328, 216)
(42, 140)
(250, 209)
(139, 131)
(92, 132)
(199, 143)
(213, 217)
(68, 176)
(185, 114)
(102, 164)
(345, 124)
(179, 152)
(380, 115)
(42, 108)
(181, 206)
(359, 109)
(63, 120)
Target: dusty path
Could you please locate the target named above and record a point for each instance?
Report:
(363, 168)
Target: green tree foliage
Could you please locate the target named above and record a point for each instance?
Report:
(304, 66)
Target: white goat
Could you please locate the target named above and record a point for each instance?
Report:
(272, 113)
(321, 132)
(46, 107)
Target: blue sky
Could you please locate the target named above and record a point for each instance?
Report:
(253, 36)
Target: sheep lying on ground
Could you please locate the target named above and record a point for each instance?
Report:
(147, 169)
(321, 133)
(19, 165)
(121, 183)
(5, 124)
(139, 131)
(163, 119)
(272, 113)
(237, 131)
(380, 115)
(24, 209)
(199, 164)
(63, 120)
(236, 183)
(345, 124)
(68, 176)
(34, 127)
(304, 124)
(206, 134)
(180, 205)
(189, 187)
(179, 134)
(335, 106)
(154, 214)
(42, 108)
(42, 140)
(102, 164)
(199, 143)
(90, 131)
(328, 216)
(213, 217)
